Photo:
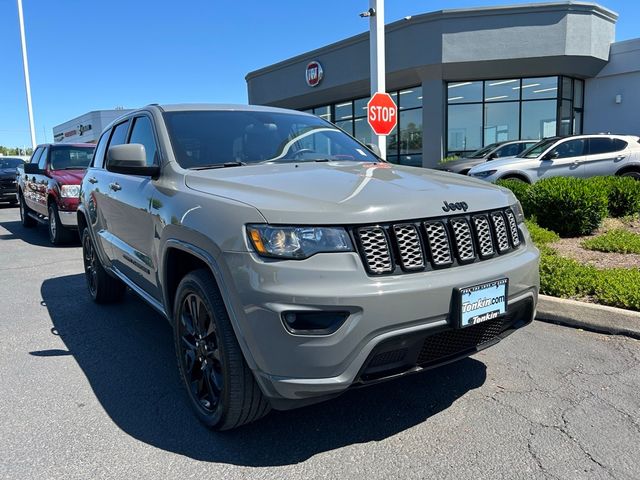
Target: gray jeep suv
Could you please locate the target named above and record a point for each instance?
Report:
(292, 262)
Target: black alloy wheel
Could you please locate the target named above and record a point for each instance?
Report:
(633, 174)
(220, 386)
(200, 356)
(90, 264)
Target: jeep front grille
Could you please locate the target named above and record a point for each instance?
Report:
(421, 245)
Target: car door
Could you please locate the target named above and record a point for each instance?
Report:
(565, 159)
(605, 155)
(40, 184)
(129, 215)
(29, 181)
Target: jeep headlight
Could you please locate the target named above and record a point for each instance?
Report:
(70, 191)
(518, 211)
(297, 242)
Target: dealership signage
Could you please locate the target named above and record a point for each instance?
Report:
(382, 113)
(79, 131)
(314, 73)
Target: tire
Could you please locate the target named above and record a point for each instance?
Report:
(25, 219)
(58, 233)
(512, 177)
(635, 174)
(103, 288)
(227, 396)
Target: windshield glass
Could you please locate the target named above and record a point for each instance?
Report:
(10, 162)
(536, 150)
(483, 152)
(70, 157)
(210, 138)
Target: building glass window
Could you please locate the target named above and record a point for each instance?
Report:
(464, 92)
(538, 119)
(464, 131)
(501, 122)
(343, 111)
(502, 90)
(483, 112)
(323, 112)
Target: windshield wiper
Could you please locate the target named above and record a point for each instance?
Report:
(70, 168)
(218, 165)
(297, 160)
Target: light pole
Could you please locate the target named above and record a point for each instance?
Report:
(377, 58)
(27, 82)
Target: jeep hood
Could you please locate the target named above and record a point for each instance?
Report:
(346, 192)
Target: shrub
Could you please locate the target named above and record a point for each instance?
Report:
(521, 191)
(618, 240)
(540, 236)
(624, 197)
(569, 206)
(618, 287)
(564, 277)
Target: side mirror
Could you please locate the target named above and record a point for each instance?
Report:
(31, 168)
(492, 156)
(130, 159)
(374, 148)
(551, 155)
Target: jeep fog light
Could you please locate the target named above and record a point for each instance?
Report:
(313, 322)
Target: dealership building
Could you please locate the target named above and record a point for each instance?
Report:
(466, 78)
(86, 128)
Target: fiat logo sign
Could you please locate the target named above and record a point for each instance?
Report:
(313, 74)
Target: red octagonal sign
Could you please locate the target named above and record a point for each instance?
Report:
(382, 113)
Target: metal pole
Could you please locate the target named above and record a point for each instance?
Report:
(27, 82)
(377, 59)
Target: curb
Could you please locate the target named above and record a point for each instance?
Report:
(588, 316)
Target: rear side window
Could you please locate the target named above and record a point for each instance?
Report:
(605, 145)
(142, 132)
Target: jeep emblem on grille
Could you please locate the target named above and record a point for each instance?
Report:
(452, 207)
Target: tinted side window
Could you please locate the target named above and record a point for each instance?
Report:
(35, 158)
(142, 132)
(101, 147)
(619, 145)
(508, 150)
(42, 163)
(600, 145)
(119, 135)
(570, 148)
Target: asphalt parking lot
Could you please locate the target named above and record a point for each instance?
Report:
(93, 392)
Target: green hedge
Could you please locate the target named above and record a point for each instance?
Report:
(565, 277)
(618, 240)
(522, 192)
(569, 206)
(540, 236)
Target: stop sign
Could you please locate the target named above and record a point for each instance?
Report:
(382, 113)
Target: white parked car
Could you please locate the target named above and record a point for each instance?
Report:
(576, 156)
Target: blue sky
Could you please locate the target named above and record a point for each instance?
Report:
(91, 55)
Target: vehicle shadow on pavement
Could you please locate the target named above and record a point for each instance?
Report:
(126, 353)
(37, 235)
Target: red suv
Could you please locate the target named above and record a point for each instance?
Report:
(49, 186)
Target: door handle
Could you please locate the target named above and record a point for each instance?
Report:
(115, 186)
(93, 180)
(621, 157)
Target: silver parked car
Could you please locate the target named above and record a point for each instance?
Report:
(292, 263)
(577, 156)
(490, 152)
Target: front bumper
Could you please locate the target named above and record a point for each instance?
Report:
(68, 219)
(294, 370)
(67, 208)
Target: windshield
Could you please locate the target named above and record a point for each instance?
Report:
(10, 162)
(483, 152)
(70, 158)
(536, 150)
(216, 137)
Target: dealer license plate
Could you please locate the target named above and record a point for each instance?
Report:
(481, 303)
